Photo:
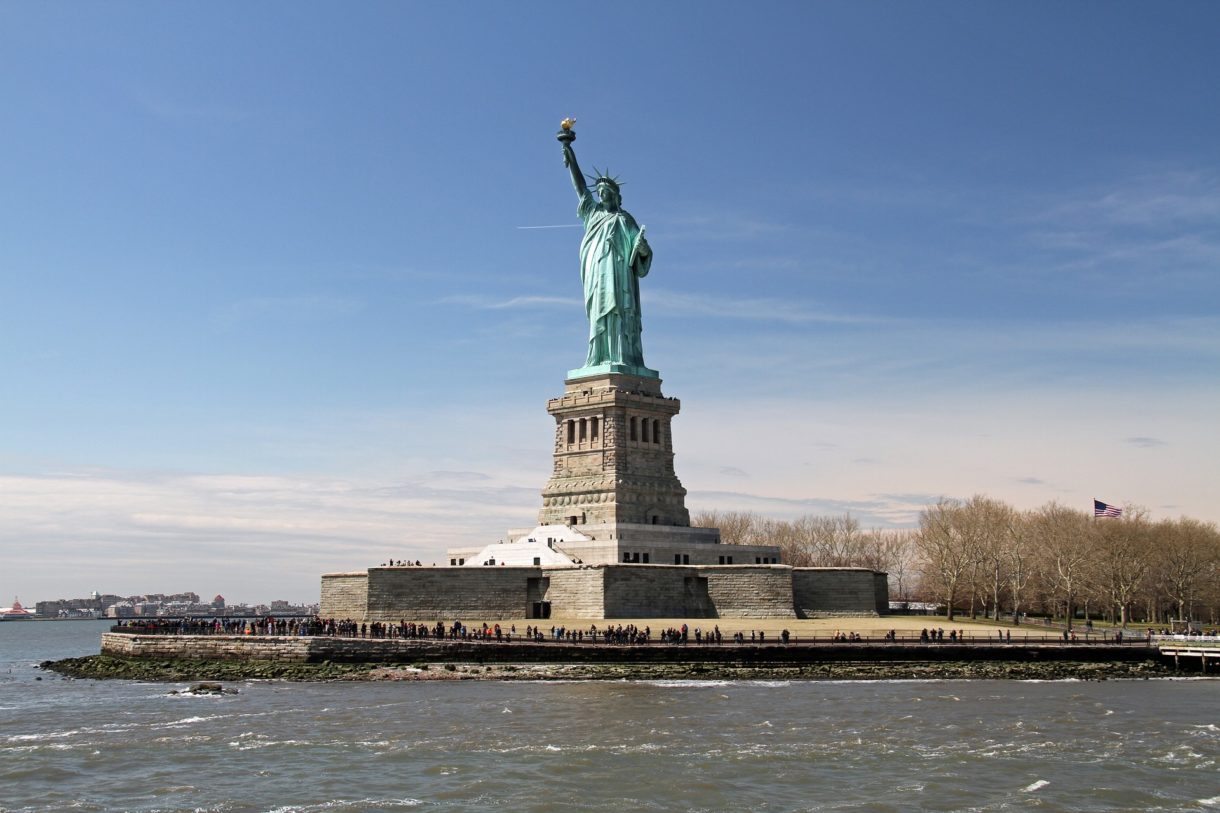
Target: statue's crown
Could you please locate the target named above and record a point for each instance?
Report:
(604, 177)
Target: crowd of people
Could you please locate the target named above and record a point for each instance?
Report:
(619, 634)
(937, 635)
(270, 625)
(411, 630)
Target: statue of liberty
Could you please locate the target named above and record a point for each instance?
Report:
(613, 257)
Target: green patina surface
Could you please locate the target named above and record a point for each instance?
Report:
(610, 367)
(614, 255)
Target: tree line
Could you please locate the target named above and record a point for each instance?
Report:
(983, 557)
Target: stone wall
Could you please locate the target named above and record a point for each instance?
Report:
(881, 592)
(834, 591)
(699, 546)
(576, 592)
(750, 592)
(651, 591)
(345, 595)
(463, 593)
(208, 647)
(372, 651)
(603, 591)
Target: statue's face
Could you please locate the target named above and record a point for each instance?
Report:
(609, 195)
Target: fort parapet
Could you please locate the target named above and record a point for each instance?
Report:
(626, 591)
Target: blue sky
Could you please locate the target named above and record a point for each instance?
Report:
(268, 307)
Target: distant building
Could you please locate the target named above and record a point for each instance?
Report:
(15, 613)
(147, 609)
(917, 608)
(122, 609)
(160, 605)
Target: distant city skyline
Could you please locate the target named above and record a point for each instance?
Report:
(114, 605)
(281, 291)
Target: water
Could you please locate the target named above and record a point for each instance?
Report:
(638, 746)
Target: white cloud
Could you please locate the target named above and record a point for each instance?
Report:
(250, 537)
(956, 445)
(917, 357)
(873, 511)
(1150, 199)
(460, 476)
(257, 536)
(1154, 222)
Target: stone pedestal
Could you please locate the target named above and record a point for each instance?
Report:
(614, 457)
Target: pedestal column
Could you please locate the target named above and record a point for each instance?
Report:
(621, 469)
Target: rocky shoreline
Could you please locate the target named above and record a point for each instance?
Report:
(107, 667)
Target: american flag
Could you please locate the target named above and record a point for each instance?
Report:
(1101, 509)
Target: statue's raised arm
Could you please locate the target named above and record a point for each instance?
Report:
(566, 136)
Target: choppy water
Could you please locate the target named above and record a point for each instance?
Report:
(639, 746)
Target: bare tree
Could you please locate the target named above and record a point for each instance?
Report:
(899, 546)
(1188, 551)
(828, 541)
(1123, 558)
(890, 551)
(1064, 541)
(809, 541)
(1019, 553)
(993, 528)
(945, 544)
(736, 527)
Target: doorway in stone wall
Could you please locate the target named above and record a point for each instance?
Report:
(697, 603)
(540, 609)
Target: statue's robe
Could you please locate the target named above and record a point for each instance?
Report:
(611, 283)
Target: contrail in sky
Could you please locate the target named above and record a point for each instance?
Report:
(557, 226)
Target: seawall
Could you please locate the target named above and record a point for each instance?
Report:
(293, 649)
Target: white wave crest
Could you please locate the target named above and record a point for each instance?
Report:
(49, 735)
(189, 720)
(358, 804)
